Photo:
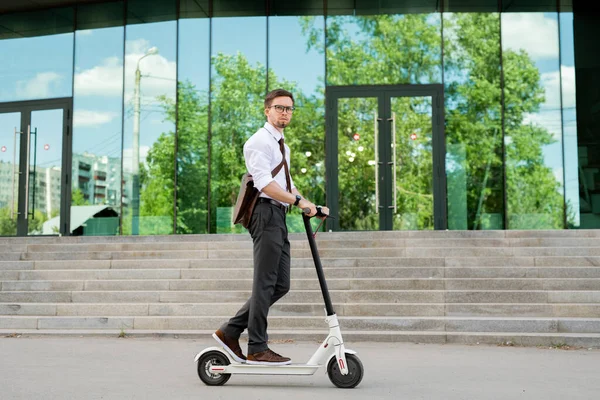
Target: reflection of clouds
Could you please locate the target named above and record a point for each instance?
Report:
(39, 87)
(549, 116)
(158, 74)
(85, 32)
(547, 119)
(101, 80)
(128, 157)
(92, 118)
(551, 82)
(532, 32)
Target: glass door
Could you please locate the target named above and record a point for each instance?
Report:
(385, 157)
(412, 158)
(10, 145)
(34, 167)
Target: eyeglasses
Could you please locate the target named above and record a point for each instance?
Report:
(280, 108)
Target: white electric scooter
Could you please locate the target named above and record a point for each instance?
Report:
(344, 368)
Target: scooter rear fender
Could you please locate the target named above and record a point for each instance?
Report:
(215, 348)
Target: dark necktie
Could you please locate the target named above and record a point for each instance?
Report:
(288, 180)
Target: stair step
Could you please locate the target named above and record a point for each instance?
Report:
(446, 324)
(316, 336)
(579, 310)
(307, 273)
(490, 284)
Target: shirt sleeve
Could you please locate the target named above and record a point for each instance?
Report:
(258, 164)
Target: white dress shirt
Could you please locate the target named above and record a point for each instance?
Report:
(262, 155)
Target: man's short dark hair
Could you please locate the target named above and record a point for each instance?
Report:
(277, 93)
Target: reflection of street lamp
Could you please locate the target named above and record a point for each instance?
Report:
(135, 201)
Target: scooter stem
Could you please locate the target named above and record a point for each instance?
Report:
(318, 266)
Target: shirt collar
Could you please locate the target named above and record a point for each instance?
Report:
(273, 131)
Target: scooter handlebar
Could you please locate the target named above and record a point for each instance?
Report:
(319, 213)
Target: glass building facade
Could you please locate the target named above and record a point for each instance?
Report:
(129, 117)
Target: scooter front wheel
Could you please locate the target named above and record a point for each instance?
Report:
(355, 372)
(208, 360)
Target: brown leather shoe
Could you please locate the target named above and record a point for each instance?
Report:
(267, 357)
(231, 345)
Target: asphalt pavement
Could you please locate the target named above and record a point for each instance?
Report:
(154, 368)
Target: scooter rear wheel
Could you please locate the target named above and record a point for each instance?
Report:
(208, 360)
(355, 372)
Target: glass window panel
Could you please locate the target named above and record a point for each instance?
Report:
(368, 7)
(586, 27)
(473, 121)
(194, 8)
(192, 128)
(149, 140)
(302, 72)
(476, 6)
(384, 49)
(308, 7)
(97, 16)
(239, 8)
(569, 121)
(36, 23)
(147, 11)
(529, 5)
(45, 166)
(39, 67)
(533, 129)
(412, 147)
(10, 142)
(97, 122)
(237, 109)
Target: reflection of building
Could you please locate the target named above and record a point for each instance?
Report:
(6, 185)
(98, 178)
(45, 192)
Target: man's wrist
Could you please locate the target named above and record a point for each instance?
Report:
(298, 198)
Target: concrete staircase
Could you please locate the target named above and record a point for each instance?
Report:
(524, 287)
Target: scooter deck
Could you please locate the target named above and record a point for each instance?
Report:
(257, 369)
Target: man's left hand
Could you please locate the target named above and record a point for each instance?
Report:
(324, 210)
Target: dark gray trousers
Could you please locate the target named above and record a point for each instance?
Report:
(271, 276)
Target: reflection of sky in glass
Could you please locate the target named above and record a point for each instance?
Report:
(193, 52)
(246, 35)
(158, 78)
(37, 68)
(569, 114)
(49, 127)
(537, 35)
(98, 91)
(288, 57)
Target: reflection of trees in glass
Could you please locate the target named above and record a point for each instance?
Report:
(8, 224)
(474, 121)
(414, 163)
(237, 112)
(534, 198)
(379, 50)
(473, 118)
(356, 169)
(77, 198)
(192, 166)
